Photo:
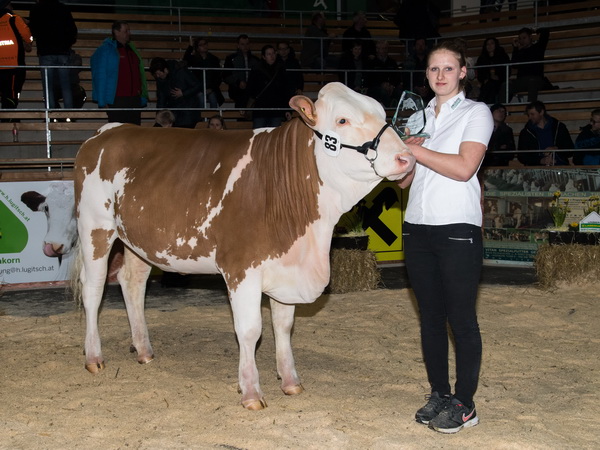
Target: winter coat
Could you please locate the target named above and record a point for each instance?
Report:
(528, 140)
(53, 28)
(179, 77)
(105, 73)
(587, 139)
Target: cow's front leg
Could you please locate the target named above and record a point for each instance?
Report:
(132, 278)
(245, 305)
(283, 321)
(91, 293)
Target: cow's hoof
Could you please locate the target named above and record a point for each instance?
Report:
(95, 367)
(146, 359)
(254, 404)
(293, 390)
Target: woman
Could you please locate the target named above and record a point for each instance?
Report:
(443, 238)
(491, 78)
(198, 57)
(216, 122)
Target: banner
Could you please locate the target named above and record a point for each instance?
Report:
(516, 202)
(31, 215)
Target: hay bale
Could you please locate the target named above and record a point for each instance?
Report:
(567, 264)
(353, 270)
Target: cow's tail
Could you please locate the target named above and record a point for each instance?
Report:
(74, 278)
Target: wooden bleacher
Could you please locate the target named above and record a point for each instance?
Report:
(166, 36)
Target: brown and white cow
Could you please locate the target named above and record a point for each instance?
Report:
(257, 206)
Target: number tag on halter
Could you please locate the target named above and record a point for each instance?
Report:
(332, 144)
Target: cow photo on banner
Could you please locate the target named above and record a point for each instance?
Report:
(37, 231)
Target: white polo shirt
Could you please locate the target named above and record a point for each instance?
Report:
(438, 200)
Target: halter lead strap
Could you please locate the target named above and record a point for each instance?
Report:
(369, 145)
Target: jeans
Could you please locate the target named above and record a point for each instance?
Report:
(444, 267)
(64, 78)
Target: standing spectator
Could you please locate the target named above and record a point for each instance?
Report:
(164, 118)
(118, 76)
(55, 32)
(530, 77)
(16, 40)
(384, 86)
(287, 56)
(358, 31)
(545, 133)
(315, 48)
(502, 139)
(176, 89)
(443, 237)
(267, 86)
(589, 138)
(416, 63)
(491, 78)
(353, 63)
(198, 56)
(238, 79)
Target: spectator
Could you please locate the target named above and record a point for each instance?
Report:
(545, 133)
(198, 56)
(358, 32)
(176, 88)
(491, 78)
(118, 77)
(238, 79)
(589, 138)
(55, 32)
(384, 86)
(502, 139)
(216, 122)
(315, 48)
(287, 56)
(164, 118)
(353, 63)
(16, 39)
(416, 62)
(530, 77)
(267, 86)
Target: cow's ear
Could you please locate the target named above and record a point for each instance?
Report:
(33, 199)
(306, 109)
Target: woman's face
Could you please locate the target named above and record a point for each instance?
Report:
(490, 46)
(444, 74)
(215, 124)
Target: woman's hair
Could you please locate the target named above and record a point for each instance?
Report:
(216, 117)
(499, 49)
(457, 46)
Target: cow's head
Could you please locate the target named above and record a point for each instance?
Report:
(353, 136)
(59, 206)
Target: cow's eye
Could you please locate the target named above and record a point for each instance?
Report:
(342, 121)
(45, 208)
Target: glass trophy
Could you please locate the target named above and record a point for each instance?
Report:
(409, 119)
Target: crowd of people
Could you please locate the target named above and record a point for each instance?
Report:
(260, 85)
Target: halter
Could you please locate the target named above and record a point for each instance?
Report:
(364, 149)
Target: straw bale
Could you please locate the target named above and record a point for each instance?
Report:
(567, 264)
(353, 270)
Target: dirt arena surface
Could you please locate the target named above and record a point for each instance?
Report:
(358, 356)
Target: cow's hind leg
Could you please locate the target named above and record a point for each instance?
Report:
(93, 277)
(245, 305)
(132, 278)
(283, 322)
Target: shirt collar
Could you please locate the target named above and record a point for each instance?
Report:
(452, 103)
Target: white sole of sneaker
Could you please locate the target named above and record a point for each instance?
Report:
(471, 423)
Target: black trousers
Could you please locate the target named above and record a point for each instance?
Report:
(132, 114)
(444, 267)
(11, 84)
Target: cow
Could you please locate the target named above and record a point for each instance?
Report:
(256, 206)
(58, 205)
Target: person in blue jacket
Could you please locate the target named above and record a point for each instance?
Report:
(589, 138)
(118, 77)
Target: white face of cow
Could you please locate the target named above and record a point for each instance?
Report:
(59, 207)
(344, 117)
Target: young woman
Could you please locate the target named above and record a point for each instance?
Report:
(491, 78)
(443, 238)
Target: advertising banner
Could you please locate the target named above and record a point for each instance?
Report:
(516, 203)
(36, 219)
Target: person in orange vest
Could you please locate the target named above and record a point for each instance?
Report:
(15, 40)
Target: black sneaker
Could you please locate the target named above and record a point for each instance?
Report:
(454, 417)
(435, 405)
